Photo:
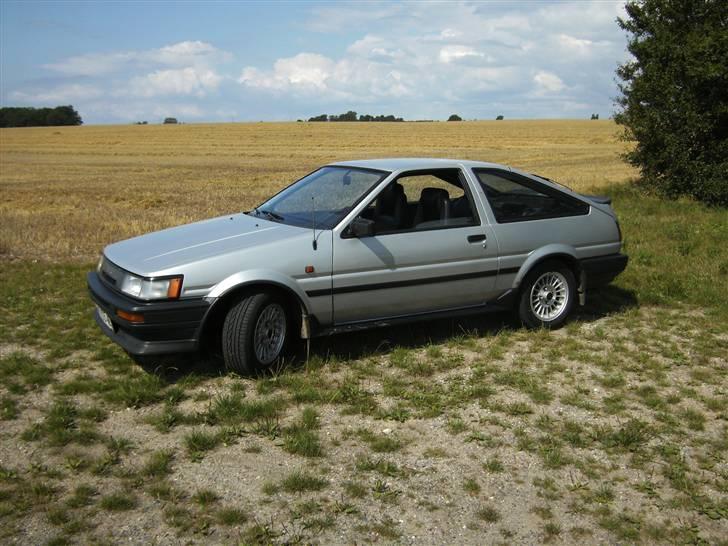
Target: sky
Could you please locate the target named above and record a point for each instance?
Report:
(121, 62)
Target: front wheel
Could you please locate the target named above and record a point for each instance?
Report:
(255, 333)
(547, 295)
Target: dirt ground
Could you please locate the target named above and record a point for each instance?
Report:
(467, 432)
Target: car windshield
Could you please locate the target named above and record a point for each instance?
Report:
(326, 196)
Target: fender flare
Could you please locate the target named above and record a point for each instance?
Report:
(218, 296)
(552, 251)
(258, 276)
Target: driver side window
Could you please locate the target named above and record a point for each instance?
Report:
(422, 201)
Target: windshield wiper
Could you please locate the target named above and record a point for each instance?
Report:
(269, 214)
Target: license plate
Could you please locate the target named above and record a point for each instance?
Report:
(105, 318)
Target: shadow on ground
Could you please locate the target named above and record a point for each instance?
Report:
(606, 301)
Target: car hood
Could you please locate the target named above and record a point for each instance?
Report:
(156, 253)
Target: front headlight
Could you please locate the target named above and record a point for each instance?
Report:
(151, 289)
(166, 288)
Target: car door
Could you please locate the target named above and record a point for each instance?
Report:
(415, 264)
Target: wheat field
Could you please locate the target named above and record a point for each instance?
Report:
(65, 192)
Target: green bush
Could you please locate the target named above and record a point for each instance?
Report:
(674, 101)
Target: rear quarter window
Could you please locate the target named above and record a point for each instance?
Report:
(514, 198)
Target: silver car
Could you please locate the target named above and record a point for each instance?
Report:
(354, 245)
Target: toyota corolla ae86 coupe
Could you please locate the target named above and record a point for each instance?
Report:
(353, 245)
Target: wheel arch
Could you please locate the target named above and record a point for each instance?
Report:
(211, 327)
(561, 253)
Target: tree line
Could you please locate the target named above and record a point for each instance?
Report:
(39, 117)
(352, 116)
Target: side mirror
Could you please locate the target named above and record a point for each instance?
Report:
(361, 227)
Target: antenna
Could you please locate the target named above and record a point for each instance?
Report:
(313, 219)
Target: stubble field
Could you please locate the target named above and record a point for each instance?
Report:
(68, 191)
(613, 429)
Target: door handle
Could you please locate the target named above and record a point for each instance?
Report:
(476, 238)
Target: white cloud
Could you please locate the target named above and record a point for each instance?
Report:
(453, 53)
(313, 74)
(61, 94)
(305, 71)
(575, 44)
(376, 48)
(181, 81)
(187, 53)
(338, 18)
(548, 82)
(456, 52)
(92, 64)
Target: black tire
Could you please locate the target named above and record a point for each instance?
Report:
(239, 330)
(536, 314)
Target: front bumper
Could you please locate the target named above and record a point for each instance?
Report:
(603, 269)
(169, 327)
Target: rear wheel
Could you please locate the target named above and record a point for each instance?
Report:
(547, 295)
(255, 333)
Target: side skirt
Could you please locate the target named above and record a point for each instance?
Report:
(502, 303)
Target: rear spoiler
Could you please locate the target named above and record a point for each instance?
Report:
(600, 199)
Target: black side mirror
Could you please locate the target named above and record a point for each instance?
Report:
(361, 227)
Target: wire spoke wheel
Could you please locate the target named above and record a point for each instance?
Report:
(270, 333)
(549, 296)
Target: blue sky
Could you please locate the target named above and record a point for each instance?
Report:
(119, 62)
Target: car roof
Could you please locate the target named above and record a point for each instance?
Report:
(413, 163)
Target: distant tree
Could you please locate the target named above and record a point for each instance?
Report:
(38, 117)
(499, 117)
(594, 116)
(454, 117)
(170, 121)
(674, 96)
(352, 116)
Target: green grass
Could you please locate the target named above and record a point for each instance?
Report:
(382, 466)
(471, 486)
(20, 372)
(118, 502)
(633, 386)
(488, 514)
(200, 440)
(630, 437)
(678, 250)
(229, 516)
(493, 465)
(301, 438)
(297, 482)
(379, 443)
(231, 409)
(205, 497)
(83, 495)
(65, 423)
(159, 464)
(8, 408)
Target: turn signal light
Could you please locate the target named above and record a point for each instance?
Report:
(131, 317)
(175, 286)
